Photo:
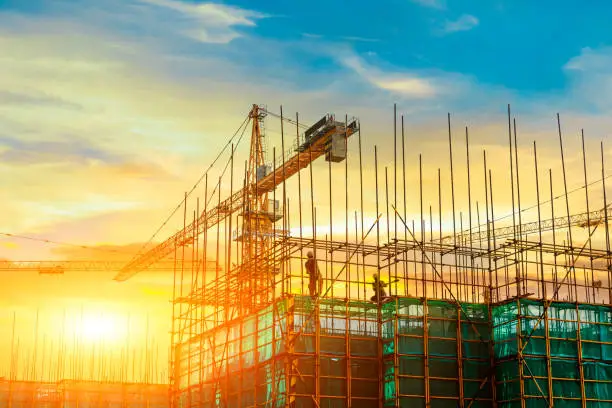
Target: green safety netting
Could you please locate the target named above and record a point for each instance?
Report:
(344, 327)
(216, 358)
(595, 329)
(263, 386)
(452, 330)
(352, 334)
(556, 361)
(336, 316)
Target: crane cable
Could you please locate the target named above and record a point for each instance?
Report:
(218, 185)
(286, 119)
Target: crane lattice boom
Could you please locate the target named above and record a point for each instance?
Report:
(59, 267)
(579, 220)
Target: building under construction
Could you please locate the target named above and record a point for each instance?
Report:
(508, 309)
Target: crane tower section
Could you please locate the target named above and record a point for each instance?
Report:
(261, 211)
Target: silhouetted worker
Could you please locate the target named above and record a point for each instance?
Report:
(379, 291)
(315, 281)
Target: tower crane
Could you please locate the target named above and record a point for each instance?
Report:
(581, 220)
(60, 267)
(326, 137)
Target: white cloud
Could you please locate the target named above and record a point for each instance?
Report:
(312, 36)
(207, 22)
(438, 4)
(590, 75)
(359, 39)
(591, 60)
(464, 23)
(406, 84)
(411, 86)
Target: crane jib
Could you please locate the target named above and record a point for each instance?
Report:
(303, 158)
(311, 130)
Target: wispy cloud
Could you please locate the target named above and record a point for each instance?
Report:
(406, 84)
(591, 60)
(359, 39)
(206, 22)
(437, 4)
(590, 75)
(71, 150)
(346, 38)
(464, 23)
(312, 36)
(32, 100)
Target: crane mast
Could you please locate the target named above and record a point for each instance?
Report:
(257, 221)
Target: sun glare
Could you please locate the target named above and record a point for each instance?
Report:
(95, 328)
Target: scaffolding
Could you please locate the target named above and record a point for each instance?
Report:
(508, 310)
(83, 394)
(568, 356)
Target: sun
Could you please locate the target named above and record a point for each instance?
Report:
(99, 327)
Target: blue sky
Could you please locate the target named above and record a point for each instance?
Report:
(519, 45)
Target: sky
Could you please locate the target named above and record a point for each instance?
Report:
(111, 110)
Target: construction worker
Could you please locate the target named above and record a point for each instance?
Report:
(379, 291)
(315, 283)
